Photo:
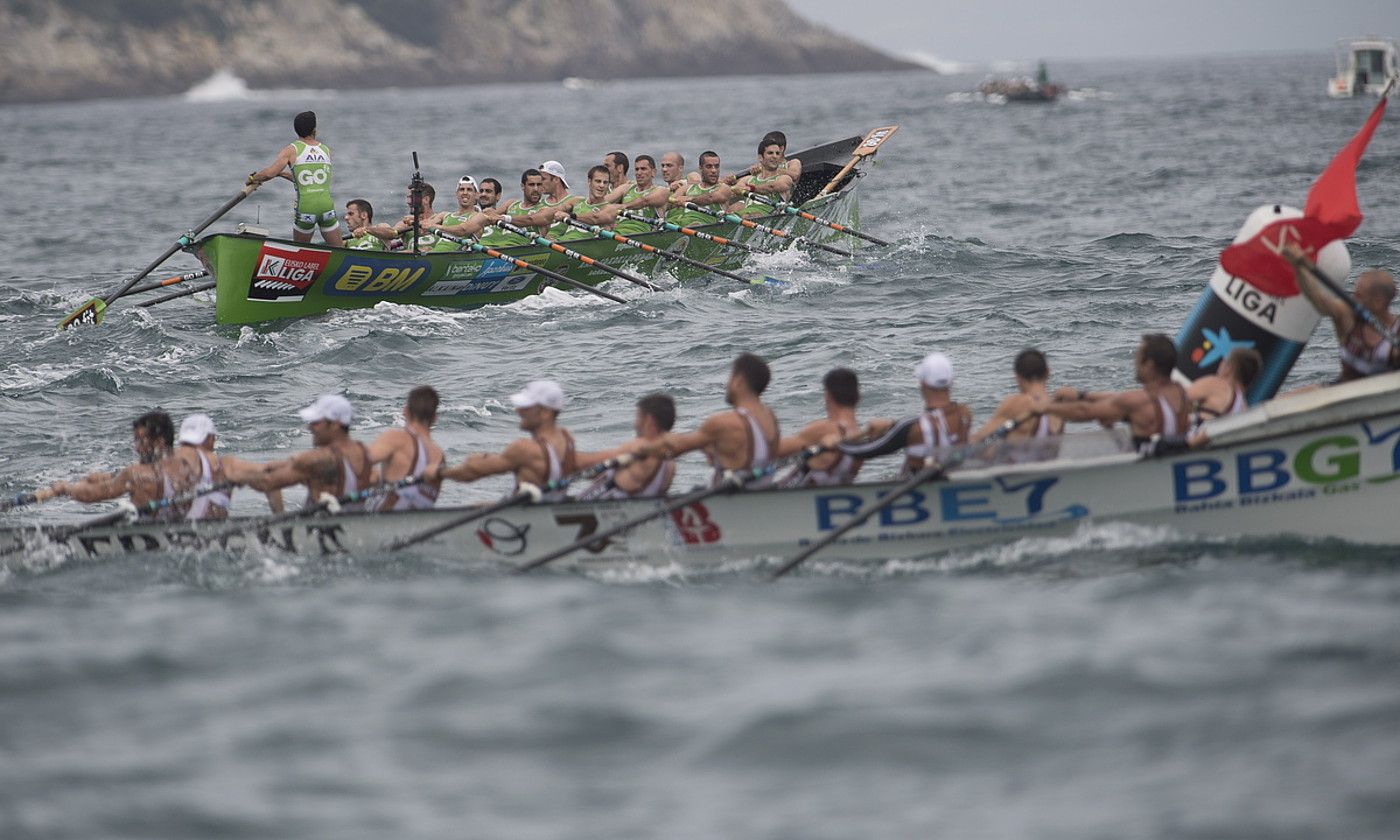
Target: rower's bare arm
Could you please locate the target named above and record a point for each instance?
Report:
(672, 444)
(95, 488)
(615, 195)
(473, 225)
(1325, 302)
(383, 447)
(777, 186)
(794, 169)
(298, 469)
(277, 167)
(246, 473)
(380, 231)
(482, 464)
(810, 435)
(1010, 409)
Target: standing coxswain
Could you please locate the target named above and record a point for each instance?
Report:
(306, 162)
(410, 451)
(338, 465)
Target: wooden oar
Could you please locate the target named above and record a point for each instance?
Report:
(1389, 333)
(931, 470)
(169, 281)
(771, 231)
(652, 249)
(574, 255)
(699, 234)
(867, 147)
(528, 493)
(202, 287)
(543, 272)
(793, 211)
(733, 480)
(92, 311)
(125, 512)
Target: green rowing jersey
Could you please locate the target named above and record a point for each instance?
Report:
(690, 218)
(311, 172)
(571, 233)
(558, 229)
(448, 220)
(632, 227)
(365, 243)
(495, 237)
(758, 208)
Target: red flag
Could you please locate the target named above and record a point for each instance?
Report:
(1331, 213)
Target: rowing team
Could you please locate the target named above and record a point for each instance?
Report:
(611, 201)
(403, 468)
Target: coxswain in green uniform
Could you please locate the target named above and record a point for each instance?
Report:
(644, 196)
(517, 212)
(359, 214)
(306, 162)
(708, 191)
(771, 181)
(594, 210)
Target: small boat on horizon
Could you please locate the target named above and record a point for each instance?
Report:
(1364, 66)
(1024, 89)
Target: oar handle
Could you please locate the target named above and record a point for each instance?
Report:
(575, 255)
(709, 237)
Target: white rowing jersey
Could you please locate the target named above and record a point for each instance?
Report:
(209, 505)
(420, 496)
(605, 486)
(558, 467)
(939, 429)
(761, 450)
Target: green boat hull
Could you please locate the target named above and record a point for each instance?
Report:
(264, 279)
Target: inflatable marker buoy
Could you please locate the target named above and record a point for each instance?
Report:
(1233, 313)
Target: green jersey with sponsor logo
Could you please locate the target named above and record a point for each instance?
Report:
(632, 227)
(494, 237)
(311, 172)
(448, 220)
(558, 228)
(572, 233)
(365, 243)
(691, 218)
(758, 207)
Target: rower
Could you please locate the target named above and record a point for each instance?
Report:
(1159, 408)
(465, 222)
(840, 393)
(793, 165)
(546, 455)
(306, 162)
(644, 196)
(707, 192)
(517, 212)
(617, 164)
(1363, 350)
(197, 439)
(403, 229)
(673, 169)
(359, 214)
(1223, 392)
(155, 476)
(491, 192)
(943, 423)
(743, 438)
(410, 451)
(771, 180)
(1037, 441)
(646, 476)
(556, 197)
(593, 210)
(336, 467)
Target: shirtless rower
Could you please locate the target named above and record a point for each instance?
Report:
(490, 195)
(593, 210)
(643, 196)
(410, 451)
(1223, 392)
(743, 438)
(306, 162)
(1028, 441)
(517, 212)
(359, 214)
(1363, 350)
(155, 476)
(771, 180)
(706, 192)
(944, 422)
(546, 455)
(1159, 407)
(617, 164)
(403, 229)
(195, 449)
(337, 466)
(645, 476)
(841, 393)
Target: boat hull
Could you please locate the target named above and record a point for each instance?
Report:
(1320, 465)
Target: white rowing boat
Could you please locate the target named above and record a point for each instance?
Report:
(1322, 464)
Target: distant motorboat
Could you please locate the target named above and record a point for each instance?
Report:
(1024, 89)
(1364, 67)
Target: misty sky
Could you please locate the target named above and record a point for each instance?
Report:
(987, 30)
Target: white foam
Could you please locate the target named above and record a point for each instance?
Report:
(223, 86)
(946, 66)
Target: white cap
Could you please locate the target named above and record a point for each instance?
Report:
(467, 179)
(935, 371)
(329, 407)
(555, 168)
(539, 392)
(196, 429)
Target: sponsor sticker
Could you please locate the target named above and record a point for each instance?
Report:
(368, 277)
(285, 273)
(478, 286)
(490, 269)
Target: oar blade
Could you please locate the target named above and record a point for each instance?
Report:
(88, 315)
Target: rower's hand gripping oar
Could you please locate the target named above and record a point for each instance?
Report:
(527, 266)
(868, 146)
(528, 493)
(573, 255)
(1302, 262)
(803, 214)
(931, 470)
(771, 231)
(732, 481)
(92, 311)
(326, 503)
(662, 224)
(664, 254)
